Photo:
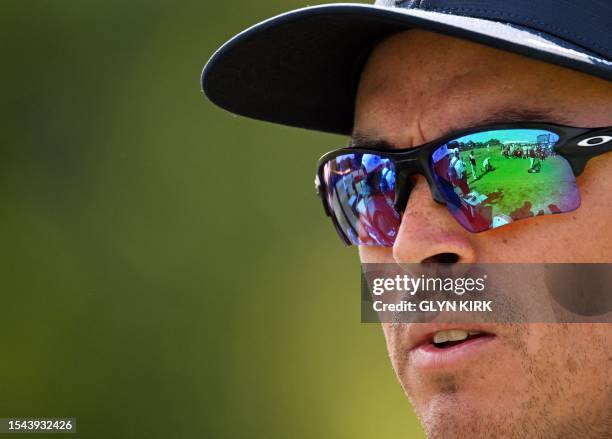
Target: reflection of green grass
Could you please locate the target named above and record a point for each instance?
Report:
(509, 185)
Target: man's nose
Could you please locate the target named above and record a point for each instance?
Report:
(428, 232)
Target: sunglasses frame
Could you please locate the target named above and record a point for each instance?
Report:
(576, 145)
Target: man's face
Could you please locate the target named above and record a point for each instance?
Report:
(535, 380)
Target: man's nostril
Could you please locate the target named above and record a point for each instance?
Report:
(442, 258)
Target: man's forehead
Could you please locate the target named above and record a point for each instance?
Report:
(411, 93)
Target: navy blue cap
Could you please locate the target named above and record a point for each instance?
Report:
(302, 68)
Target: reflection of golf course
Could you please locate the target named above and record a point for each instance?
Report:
(509, 187)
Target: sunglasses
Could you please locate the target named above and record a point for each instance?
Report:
(487, 177)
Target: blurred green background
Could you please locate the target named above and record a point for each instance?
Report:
(167, 270)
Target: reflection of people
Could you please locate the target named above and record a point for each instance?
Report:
(458, 173)
(522, 381)
(372, 165)
(486, 165)
(473, 164)
(387, 182)
(535, 165)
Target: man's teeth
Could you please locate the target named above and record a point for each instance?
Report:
(452, 335)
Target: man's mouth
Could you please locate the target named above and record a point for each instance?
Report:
(453, 337)
(447, 348)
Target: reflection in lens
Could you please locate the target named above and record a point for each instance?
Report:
(493, 178)
(361, 193)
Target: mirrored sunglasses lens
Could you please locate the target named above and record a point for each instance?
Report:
(493, 178)
(361, 194)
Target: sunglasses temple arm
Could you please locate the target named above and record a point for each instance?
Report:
(579, 150)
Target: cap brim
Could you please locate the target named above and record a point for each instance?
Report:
(301, 68)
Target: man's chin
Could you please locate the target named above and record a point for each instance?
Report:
(466, 415)
(470, 404)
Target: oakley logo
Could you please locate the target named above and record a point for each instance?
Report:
(595, 141)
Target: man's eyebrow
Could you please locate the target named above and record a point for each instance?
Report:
(363, 140)
(512, 115)
(499, 117)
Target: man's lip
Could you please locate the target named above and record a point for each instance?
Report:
(424, 355)
(428, 357)
(422, 333)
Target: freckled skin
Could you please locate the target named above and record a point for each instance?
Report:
(545, 380)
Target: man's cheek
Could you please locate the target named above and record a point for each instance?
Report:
(397, 349)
